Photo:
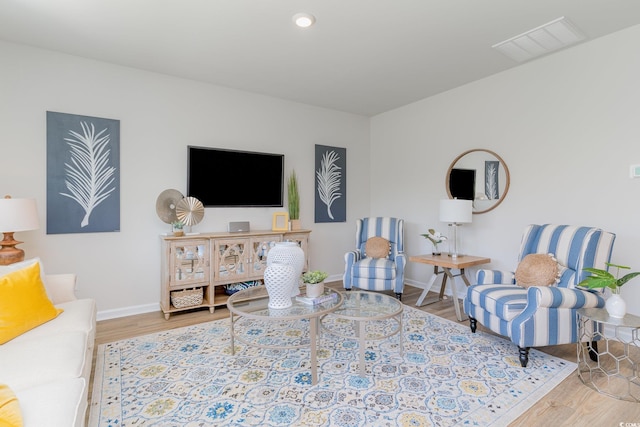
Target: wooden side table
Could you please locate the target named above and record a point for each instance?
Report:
(446, 263)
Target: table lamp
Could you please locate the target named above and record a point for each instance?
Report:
(15, 215)
(455, 212)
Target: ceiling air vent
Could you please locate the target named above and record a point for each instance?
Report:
(547, 38)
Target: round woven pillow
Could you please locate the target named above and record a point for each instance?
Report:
(537, 270)
(377, 247)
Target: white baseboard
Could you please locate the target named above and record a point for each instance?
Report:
(461, 288)
(127, 311)
(148, 308)
(415, 283)
(624, 334)
(334, 278)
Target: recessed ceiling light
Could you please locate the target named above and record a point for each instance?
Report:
(304, 20)
(544, 39)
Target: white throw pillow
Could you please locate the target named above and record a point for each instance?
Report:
(6, 269)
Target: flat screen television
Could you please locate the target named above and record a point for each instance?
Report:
(229, 178)
(462, 183)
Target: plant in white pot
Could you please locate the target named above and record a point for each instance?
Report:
(315, 282)
(615, 305)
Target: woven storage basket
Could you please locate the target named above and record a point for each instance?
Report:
(186, 298)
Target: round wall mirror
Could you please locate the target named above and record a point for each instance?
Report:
(481, 176)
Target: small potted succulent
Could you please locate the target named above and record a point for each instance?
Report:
(315, 282)
(178, 228)
(615, 305)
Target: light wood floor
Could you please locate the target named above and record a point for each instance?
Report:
(570, 404)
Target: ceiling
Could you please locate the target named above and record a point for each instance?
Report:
(361, 56)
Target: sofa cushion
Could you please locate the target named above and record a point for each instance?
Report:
(380, 268)
(24, 303)
(78, 315)
(537, 270)
(503, 301)
(10, 413)
(54, 404)
(26, 363)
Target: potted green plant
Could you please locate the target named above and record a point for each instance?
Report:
(615, 305)
(178, 228)
(293, 201)
(315, 282)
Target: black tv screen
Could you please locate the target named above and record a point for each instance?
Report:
(462, 183)
(229, 178)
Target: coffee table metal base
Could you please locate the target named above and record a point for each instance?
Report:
(361, 308)
(313, 344)
(252, 303)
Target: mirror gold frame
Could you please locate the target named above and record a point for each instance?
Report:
(507, 179)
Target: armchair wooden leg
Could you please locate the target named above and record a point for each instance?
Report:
(524, 356)
(473, 324)
(399, 296)
(593, 351)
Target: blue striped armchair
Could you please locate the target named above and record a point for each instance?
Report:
(377, 274)
(541, 315)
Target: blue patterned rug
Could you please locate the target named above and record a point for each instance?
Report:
(446, 376)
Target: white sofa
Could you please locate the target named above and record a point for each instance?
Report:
(49, 366)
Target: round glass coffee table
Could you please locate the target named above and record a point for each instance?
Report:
(360, 317)
(252, 303)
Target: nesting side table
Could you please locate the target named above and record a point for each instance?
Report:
(362, 308)
(615, 371)
(253, 304)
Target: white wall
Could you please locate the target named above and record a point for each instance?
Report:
(567, 127)
(159, 116)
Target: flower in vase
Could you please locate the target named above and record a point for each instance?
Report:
(434, 236)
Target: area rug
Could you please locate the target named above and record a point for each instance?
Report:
(445, 376)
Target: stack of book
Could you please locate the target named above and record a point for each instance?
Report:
(327, 296)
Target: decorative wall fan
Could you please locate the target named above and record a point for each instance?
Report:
(166, 204)
(190, 211)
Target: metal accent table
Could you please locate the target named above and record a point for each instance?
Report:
(446, 263)
(252, 303)
(615, 372)
(360, 308)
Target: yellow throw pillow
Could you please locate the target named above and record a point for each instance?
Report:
(24, 303)
(377, 247)
(10, 414)
(537, 270)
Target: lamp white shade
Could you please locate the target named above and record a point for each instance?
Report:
(456, 211)
(18, 215)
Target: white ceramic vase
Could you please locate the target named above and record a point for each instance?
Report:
(279, 279)
(315, 289)
(615, 305)
(292, 254)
